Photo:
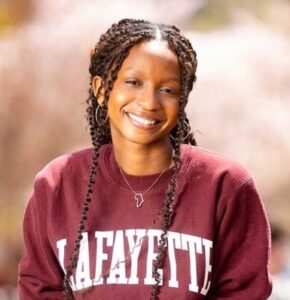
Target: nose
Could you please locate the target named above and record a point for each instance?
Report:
(148, 99)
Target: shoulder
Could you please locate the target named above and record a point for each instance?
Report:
(65, 166)
(212, 167)
(200, 158)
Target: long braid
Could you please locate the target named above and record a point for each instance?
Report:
(96, 137)
(106, 60)
(168, 210)
(167, 214)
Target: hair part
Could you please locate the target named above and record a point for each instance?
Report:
(106, 60)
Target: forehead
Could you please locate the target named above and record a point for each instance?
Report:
(154, 50)
(155, 47)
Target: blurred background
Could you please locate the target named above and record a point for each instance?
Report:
(240, 105)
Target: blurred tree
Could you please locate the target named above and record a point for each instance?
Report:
(14, 13)
(217, 14)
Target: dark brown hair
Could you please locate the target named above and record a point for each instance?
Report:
(106, 60)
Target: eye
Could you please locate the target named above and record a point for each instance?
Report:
(132, 81)
(168, 90)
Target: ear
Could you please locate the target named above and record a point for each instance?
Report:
(98, 91)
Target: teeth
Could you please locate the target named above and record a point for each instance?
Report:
(141, 120)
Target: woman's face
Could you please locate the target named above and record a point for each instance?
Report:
(143, 105)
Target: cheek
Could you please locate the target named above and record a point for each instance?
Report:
(119, 97)
(115, 102)
(173, 111)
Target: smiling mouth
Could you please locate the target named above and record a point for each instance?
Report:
(137, 120)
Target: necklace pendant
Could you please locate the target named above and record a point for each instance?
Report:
(139, 199)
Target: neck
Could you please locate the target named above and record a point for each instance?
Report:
(143, 160)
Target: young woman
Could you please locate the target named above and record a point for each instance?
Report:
(161, 217)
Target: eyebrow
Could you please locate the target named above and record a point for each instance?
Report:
(173, 79)
(133, 72)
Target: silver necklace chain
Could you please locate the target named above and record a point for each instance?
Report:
(139, 196)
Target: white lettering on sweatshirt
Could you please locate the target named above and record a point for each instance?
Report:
(126, 247)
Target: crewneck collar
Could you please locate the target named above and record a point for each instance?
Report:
(138, 183)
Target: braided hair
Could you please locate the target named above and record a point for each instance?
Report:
(106, 60)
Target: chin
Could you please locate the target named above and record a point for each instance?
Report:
(149, 141)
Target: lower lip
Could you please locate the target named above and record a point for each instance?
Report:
(141, 125)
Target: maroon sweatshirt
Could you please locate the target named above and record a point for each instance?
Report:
(217, 246)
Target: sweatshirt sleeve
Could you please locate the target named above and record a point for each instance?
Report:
(241, 248)
(40, 276)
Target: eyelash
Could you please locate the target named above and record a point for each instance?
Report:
(133, 82)
(166, 90)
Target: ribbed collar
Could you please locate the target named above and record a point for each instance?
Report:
(139, 183)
